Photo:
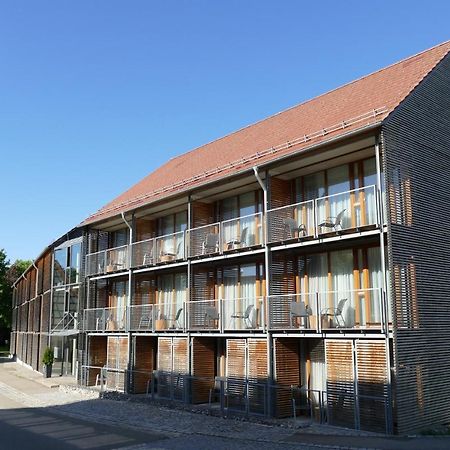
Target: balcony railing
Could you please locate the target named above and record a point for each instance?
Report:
(293, 312)
(169, 316)
(291, 222)
(344, 309)
(226, 314)
(105, 319)
(352, 309)
(228, 235)
(243, 313)
(105, 261)
(141, 318)
(161, 249)
(346, 210)
(204, 315)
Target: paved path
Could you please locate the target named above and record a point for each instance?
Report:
(35, 416)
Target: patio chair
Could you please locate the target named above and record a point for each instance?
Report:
(291, 227)
(336, 313)
(170, 255)
(245, 316)
(300, 310)
(211, 315)
(210, 244)
(241, 242)
(176, 319)
(147, 259)
(145, 322)
(333, 222)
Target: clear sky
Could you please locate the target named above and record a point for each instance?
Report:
(95, 94)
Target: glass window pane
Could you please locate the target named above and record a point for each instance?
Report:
(313, 187)
(247, 204)
(75, 252)
(338, 179)
(166, 225)
(370, 172)
(181, 221)
(59, 268)
(229, 208)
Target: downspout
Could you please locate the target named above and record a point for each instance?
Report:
(127, 315)
(270, 362)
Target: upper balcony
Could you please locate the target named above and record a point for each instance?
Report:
(226, 236)
(106, 261)
(352, 211)
(344, 212)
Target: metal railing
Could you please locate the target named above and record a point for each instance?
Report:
(141, 318)
(105, 319)
(169, 316)
(352, 309)
(143, 253)
(105, 261)
(228, 235)
(67, 322)
(243, 313)
(352, 209)
(204, 315)
(293, 312)
(226, 314)
(291, 222)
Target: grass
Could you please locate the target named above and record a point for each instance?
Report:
(4, 350)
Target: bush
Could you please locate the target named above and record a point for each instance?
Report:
(47, 359)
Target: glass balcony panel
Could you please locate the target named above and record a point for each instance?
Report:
(169, 316)
(292, 312)
(203, 315)
(204, 240)
(242, 232)
(117, 258)
(243, 313)
(170, 247)
(141, 318)
(346, 210)
(143, 253)
(95, 263)
(105, 319)
(291, 222)
(355, 309)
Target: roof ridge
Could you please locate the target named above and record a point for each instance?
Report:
(309, 100)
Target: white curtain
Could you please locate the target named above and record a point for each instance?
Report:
(376, 282)
(338, 183)
(341, 262)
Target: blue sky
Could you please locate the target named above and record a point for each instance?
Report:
(95, 94)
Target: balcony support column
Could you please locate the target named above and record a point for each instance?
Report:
(127, 381)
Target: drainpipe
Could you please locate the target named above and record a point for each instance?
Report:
(267, 291)
(130, 364)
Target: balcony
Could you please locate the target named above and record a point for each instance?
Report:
(141, 318)
(105, 319)
(242, 314)
(226, 236)
(334, 214)
(358, 309)
(162, 249)
(106, 261)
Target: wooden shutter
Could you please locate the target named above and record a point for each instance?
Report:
(203, 366)
(340, 382)
(143, 358)
(372, 382)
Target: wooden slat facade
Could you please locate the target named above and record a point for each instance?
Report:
(203, 361)
(416, 150)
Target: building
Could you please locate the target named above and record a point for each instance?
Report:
(298, 264)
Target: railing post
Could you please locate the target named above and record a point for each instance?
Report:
(316, 222)
(318, 313)
(221, 315)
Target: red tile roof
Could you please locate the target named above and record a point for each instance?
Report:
(355, 105)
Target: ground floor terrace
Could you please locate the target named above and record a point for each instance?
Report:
(340, 381)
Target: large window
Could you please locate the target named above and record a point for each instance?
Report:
(66, 267)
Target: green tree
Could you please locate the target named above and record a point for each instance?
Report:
(8, 275)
